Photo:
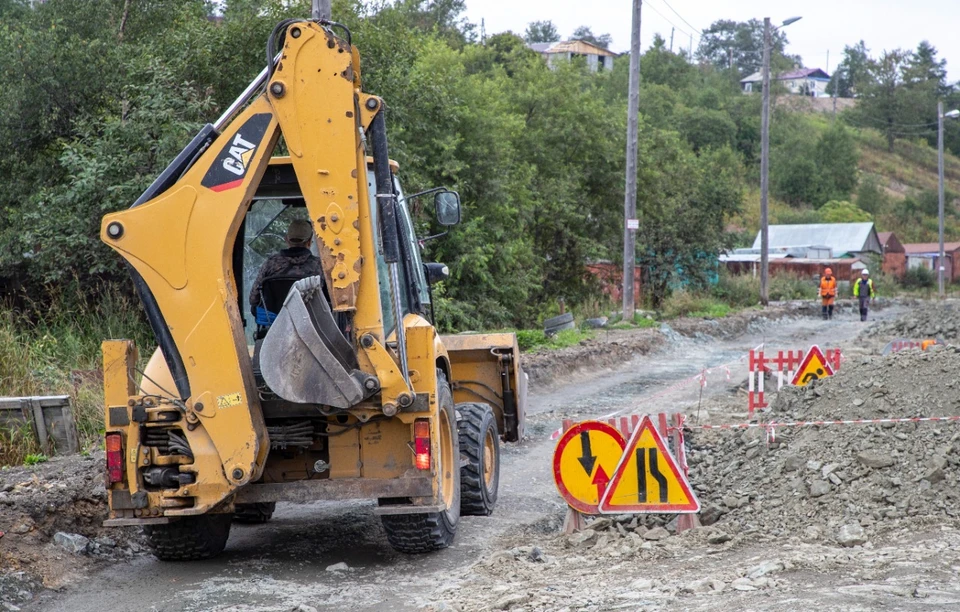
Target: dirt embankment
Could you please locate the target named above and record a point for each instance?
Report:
(613, 348)
(65, 495)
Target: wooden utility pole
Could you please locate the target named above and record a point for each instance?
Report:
(765, 167)
(671, 39)
(321, 9)
(630, 192)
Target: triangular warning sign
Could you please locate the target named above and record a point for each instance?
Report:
(813, 367)
(647, 478)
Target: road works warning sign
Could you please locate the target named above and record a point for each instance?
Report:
(647, 479)
(814, 366)
(583, 461)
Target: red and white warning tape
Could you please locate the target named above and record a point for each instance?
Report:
(700, 378)
(771, 426)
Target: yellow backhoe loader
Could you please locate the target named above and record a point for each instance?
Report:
(340, 387)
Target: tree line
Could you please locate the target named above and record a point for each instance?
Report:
(99, 96)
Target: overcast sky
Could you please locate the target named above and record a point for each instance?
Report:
(826, 24)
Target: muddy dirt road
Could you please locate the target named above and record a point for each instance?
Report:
(335, 557)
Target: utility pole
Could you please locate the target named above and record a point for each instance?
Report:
(953, 114)
(765, 167)
(671, 39)
(691, 48)
(940, 194)
(630, 192)
(321, 9)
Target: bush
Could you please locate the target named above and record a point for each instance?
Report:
(919, 278)
(791, 287)
(737, 290)
(43, 343)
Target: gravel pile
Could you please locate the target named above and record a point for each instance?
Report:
(927, 320)
(50, 526)
(841, 483)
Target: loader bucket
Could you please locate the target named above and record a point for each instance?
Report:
(304, 357)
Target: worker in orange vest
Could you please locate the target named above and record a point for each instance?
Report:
(827, 292)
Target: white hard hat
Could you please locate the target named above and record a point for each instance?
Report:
(865, 271)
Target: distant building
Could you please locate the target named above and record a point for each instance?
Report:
(806, 249)
(894, 255)
(799, 81)
(843, 239)
(927, 254)
(598, 59)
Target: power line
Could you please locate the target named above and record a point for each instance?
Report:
(885, 123)
(665, 18)
(695, 29)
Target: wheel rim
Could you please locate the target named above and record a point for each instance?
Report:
(489, 459)
(446, 460)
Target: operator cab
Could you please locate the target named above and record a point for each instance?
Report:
(279, 201)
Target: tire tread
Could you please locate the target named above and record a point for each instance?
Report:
(189, 539)
(470, 427)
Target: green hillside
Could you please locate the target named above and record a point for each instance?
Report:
(897, 190)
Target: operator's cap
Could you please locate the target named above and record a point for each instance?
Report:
(299, 232)
(865, 272)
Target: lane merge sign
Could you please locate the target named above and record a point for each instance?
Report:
(583, 462)
(813, 367)
(647, 478)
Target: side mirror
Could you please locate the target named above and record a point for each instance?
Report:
(447, 205)
(436, 272)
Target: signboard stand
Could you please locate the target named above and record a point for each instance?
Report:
(669, 427)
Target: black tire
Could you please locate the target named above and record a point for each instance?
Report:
(480, 447)
(549, 331)
(255, 513)
(430, 531)
(558, 320)
(190, 538)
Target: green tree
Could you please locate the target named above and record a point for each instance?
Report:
(871, 195)
(739, 41)
(836, 158)
(585, 33)
(541, 32)
(852, 74)
(705, 128)
(888, 103)
(925, 70)
(684, 200)
(663, 67)
(841, 211)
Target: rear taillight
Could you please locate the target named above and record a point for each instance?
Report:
(421, 443)
(114, 458)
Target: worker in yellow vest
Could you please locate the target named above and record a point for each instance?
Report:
(863, 291)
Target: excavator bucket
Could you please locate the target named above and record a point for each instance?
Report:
(304, 357)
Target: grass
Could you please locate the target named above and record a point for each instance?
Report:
(691, 304)
(535, 340)
(53, 348)
(34, 459)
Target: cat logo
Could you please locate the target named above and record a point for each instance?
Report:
(236, 156)
(240, 154)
